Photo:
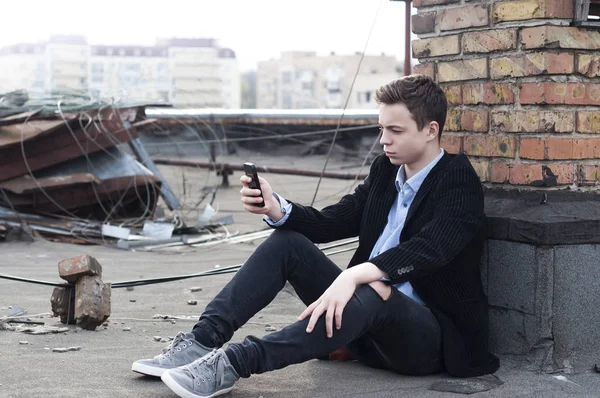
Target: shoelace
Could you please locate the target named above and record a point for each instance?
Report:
(168, 351)
(194, 367)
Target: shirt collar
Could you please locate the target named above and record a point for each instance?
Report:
(415, 181)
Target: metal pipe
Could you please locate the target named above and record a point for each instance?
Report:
(226, 168)
(407, 34)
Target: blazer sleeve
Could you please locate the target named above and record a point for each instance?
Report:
(458, 218)
(338, 221)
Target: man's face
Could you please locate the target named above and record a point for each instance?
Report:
(401, 139)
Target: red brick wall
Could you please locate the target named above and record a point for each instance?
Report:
(524, 93)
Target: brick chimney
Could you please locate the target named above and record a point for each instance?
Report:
(522, 86)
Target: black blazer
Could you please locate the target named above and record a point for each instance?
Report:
(440, 250)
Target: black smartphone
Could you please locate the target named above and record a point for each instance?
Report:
(250, 171)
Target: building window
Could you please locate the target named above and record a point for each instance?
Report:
(131, 67)
(286, 77)
(287, 101)
(587, 13)
(368, 96)
(97, 67)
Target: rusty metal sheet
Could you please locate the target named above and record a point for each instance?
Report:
(61, 147)
(26, 184)
(18, 118)
(15, 133)
(116, 178)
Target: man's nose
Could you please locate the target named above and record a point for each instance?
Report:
(385, 138)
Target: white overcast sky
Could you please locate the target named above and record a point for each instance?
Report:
(255, 29)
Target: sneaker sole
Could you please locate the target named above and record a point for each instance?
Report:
(183, 393)
(148, 370)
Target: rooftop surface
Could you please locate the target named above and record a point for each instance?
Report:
(102, 368)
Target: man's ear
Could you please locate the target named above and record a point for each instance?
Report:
(433, 130)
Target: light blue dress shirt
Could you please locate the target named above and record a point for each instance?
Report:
(390, 237)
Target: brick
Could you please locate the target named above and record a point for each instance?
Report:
(464, 17)
(92, 302)
(482, 168)
(558, 148)
(475, 121)
(463, 70)
(531, 65)
(500, 172)
(427, 69)
(531, 9)
(435, 47)
(559, 63)
(490, 146)
(423, 22)
(487, 93)
(588, 65)
(452, 143)
(533, 121)
(586, 148)
(550, 148)
(453, 94)
(526, 174)
(452, 122)
(565, 172)
(532, 148)
(71, 269)
(588, 122)
(62, 302)
(427, 3)
(589, 175)
(467, 120)
(560, 93)
(489, 40)
(560, 37)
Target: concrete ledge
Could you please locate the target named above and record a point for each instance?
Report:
(543, 217)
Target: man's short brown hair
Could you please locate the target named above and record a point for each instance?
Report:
(420, 94)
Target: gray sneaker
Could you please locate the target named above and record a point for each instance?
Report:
(206, 377)
(184, 349)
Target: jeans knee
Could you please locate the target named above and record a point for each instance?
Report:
(287, 237)
(366, 296)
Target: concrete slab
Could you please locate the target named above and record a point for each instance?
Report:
(576, 301)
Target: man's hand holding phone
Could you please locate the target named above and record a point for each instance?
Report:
(252, 198)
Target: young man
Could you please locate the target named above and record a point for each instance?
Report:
(411, 299)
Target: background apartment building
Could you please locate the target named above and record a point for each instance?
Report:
(305, 80)
(183, 72)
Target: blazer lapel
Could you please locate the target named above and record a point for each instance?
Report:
(426, 186)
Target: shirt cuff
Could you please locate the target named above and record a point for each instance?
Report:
(286, 209)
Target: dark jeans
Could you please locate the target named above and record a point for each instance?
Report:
(398, 334)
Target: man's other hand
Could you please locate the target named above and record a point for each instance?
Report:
(332, 302)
